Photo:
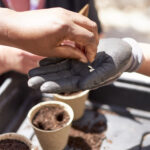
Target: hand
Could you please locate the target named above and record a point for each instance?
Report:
(17, 60)
(42, 32)
(56, 76)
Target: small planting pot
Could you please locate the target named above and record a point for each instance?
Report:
(18, 137)
(76, 101)
(52, 139)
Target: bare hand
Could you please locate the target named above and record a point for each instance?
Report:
(17, 60)
(42, 32)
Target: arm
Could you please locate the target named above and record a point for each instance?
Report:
(17, 60)
(145, 65)
(5, 15)
(42, 31)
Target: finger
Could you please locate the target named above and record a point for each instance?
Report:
(85, 22)
(50, 61)
(91, 51)
(70, 52)
(94, 31)
(61, 86)
(37, 81)
(63, 65)
(85, 38)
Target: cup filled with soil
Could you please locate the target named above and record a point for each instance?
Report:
(14, 141)
(75, 100)
(51, 121)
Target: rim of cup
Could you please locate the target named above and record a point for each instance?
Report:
(37, 107)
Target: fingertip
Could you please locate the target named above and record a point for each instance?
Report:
(78, 54)
(91, 57)
(50, 87)
(84, 60)
(35, 82)
(91, 53)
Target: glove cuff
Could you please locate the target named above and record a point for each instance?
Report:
(137, 54)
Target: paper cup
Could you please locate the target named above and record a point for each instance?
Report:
(53, 139)
(17, 137)
(76, 101)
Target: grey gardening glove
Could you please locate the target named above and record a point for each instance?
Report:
(114, 56)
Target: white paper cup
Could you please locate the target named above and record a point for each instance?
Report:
(76, 101)
(53, 139)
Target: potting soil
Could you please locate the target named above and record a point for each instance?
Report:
(51, 118)
(87, 135)
(10, 144)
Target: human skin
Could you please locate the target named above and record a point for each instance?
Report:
(42, 31)
(145, 65)
(17, 60)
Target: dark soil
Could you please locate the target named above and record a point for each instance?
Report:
(10, 144)
(87, 136)
(51, 118)
(85, 139)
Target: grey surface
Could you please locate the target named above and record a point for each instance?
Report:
(125, 133)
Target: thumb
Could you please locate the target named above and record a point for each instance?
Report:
(70, 52)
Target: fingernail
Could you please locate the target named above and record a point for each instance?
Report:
(91, 60)
(83, 60)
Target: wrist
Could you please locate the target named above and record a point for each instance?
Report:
(7, 26)
(4, 65)
(144, 68)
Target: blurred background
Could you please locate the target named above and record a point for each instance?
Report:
(125, 18)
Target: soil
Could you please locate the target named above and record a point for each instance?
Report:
(89, 136)
(85, 140)
(10, 144)
(51, 118)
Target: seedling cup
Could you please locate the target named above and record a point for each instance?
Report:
(52, 139)
(18, 137)
(76, 101)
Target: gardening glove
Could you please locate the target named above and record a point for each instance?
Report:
(114, 56)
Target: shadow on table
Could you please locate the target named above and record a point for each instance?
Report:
(138, 147)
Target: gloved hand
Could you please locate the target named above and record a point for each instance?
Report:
(114, 56)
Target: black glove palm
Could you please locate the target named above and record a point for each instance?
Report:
(114, 56)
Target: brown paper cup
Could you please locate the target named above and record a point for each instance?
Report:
(77, 102)
(54, 139)
(18, 137)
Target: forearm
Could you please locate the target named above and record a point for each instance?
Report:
(145, 66)
(12, 32)
(6, 16)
